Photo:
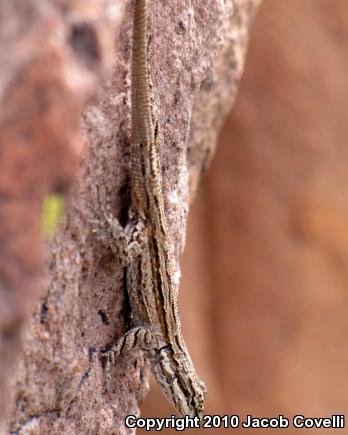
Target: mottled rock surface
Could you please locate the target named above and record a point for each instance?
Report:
(52, 56)
(267, 249)
(196, 54)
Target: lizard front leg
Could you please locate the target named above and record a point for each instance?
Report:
(127, 244)
(136, 338)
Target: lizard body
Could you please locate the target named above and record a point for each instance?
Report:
(145, 247)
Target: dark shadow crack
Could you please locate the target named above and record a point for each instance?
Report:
(83, 379)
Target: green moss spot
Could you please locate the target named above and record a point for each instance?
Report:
(52, 210)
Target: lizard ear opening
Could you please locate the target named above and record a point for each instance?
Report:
(156, 127)
(156, 136)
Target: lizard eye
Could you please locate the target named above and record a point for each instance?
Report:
(197, 403)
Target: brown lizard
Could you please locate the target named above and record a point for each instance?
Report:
(145, 248)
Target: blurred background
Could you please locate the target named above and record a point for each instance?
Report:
(264, 290)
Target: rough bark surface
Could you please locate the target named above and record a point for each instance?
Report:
(59, 385)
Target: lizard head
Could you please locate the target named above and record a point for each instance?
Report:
(195, 395)
(181, 385)
(190, 393)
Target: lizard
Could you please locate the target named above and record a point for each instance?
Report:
(145, 245)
